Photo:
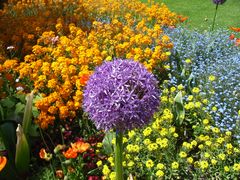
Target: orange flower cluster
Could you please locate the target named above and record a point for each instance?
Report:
(77, 147)
(8, 75)
(23, 21)
(61, 63)
(232, 36)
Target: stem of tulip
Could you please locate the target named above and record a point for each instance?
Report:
(118, 155)
(214, 18)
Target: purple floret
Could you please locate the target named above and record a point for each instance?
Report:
(219, 1)
(121, 95)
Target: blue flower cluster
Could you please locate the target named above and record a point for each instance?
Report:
(211, 53)
(121, 95)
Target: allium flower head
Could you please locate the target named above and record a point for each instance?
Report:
(219, 1)
(121, 95)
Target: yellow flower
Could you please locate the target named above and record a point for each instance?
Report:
(190, 160)
(149, 163)
(125, 140)
(180, 87)
(163, 132)
(147, 131)
(211, 78)
(147, 141)
(203, 164)
(131, 133)
(130, 164)
(190, 97)
(109, 58)
(175, 135)
(105, 170)
(208, 143)
(198, 104)
(186, 145)
(152, 146)
(188, 61)
(228, 133)
(206, 155)
(160, 166)
(200, 146)
(215, 130)
(112, 176)
(226, 169)
(213, 161)
(196, 90)
(229, 146)
(194, 143)
(172, 129)
(222, 156)
(162, 142)
(236, 167)
(220, 140)
(164, 99)
(214, 108)
(175, 165)
(99, 163)
(172, 89)
(99, 145)
(183, 154)
(205, 101)
(205, 121)
(159, 173)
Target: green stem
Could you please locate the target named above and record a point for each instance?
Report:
(214, 18)
(118, 155)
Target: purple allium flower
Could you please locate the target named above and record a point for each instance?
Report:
(121, 95)
(219, 1)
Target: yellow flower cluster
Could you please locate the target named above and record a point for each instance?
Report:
(61, 63)
(165, 150)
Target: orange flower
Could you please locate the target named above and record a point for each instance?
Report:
(80, 146)
(235, 29)
(70, 153)
(181, 18)
(59, 174)
(237, 43)
(44, 155)
(231, 37)
(84, 78)
(3, 162)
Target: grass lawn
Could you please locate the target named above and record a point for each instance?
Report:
(201, 12)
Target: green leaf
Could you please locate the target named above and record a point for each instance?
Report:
(19, 108)
(21, 97)
(37, 98)
(8, 102)
(179, 108)
(107, 142)
(35, 112)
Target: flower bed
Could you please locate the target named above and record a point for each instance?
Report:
(61, 51)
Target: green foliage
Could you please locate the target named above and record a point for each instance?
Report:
(107, 142)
